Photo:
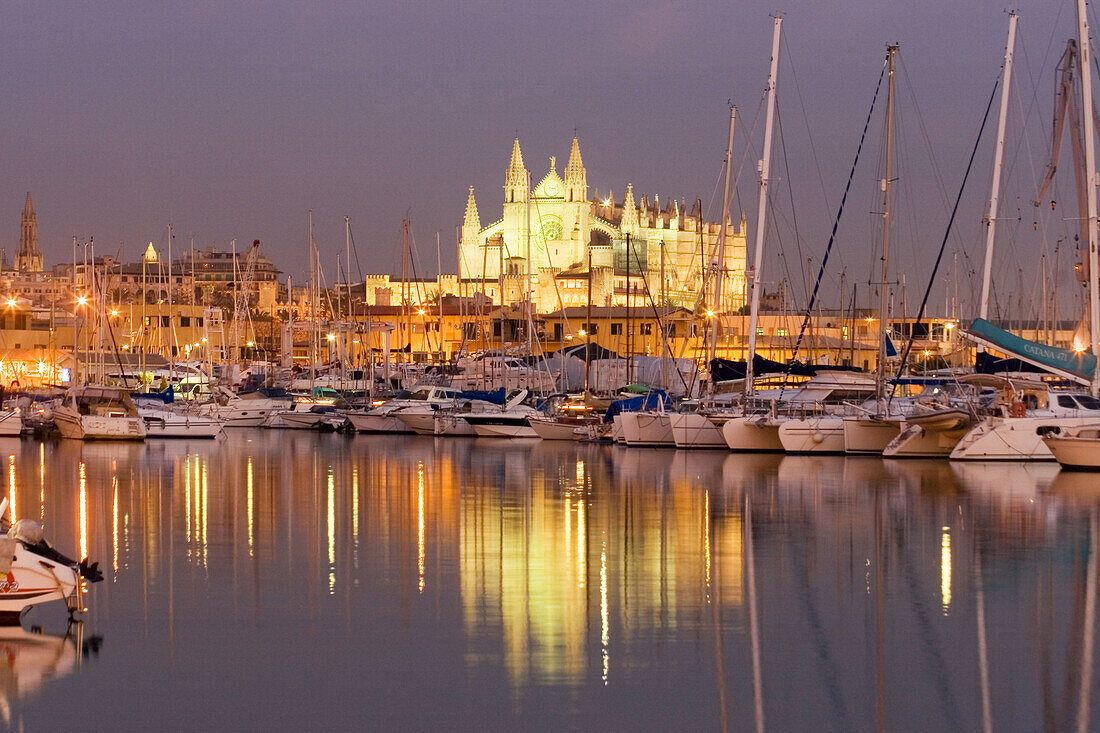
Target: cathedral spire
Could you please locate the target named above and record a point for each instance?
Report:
(629, 224)
(515, 179)
(575, 184)
(29, 258)
(472, 220)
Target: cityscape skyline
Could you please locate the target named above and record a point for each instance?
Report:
(233, 124)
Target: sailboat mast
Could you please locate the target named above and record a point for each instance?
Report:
(314, 325)
(995, 190)
(765, 172)
(887, 189)
(1090, 180)
(171, 316)
(719, 270)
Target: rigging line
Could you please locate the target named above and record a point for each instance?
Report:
(806, 119)
(790, 192)
(941, 187)
(656, 314)
(943, 244)
(836, 223)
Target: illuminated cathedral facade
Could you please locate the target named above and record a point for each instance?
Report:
(550, 235)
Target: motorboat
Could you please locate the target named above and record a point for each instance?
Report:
(512, 423)
(383, 417)
(32, 572)
(567, 417)
(436, 417)
(99, 413)
(1076, 447)
(166, 423)
(248, 410)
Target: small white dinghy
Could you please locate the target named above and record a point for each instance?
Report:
(1076, 447)
(32, 572)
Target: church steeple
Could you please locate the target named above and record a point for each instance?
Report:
(515, 180)
(629, 224)
(472, 220)
(29, 258)
(576, 187)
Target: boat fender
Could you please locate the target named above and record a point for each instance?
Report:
(1019, 409)
(818, 436)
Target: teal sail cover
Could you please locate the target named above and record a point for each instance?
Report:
(1083, 364)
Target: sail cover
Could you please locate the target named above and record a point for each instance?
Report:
(1080, 364)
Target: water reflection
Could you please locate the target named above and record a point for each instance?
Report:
(610, 586)
(31, 658)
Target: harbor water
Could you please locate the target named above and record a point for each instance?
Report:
(288, 580)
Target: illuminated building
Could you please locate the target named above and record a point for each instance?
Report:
(29, 258)
(635, 246)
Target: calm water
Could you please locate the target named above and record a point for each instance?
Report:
(298, 581)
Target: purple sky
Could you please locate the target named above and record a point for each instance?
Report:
(231, 120)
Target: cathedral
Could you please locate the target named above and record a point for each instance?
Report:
(639, 253)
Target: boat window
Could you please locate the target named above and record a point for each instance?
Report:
(1088, 402)
(1064, 400)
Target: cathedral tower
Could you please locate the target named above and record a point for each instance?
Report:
(29, 258)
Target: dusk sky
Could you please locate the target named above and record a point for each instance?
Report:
(232, 120)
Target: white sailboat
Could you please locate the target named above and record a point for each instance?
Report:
(749, 432)
(1036, 410)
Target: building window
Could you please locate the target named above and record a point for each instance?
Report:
(185, 321)
(557, 332)
(782, 332)
(759, 330)
(645, 329)
(166, 321)
(616, 329)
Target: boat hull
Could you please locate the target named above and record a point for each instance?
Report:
(549, 429)
(1013, 439)
(921, 441)
(367, 423)
(647, 429)
(866, 436)
(71, 424)
(753, 434)
(694, 430)
(812, 435)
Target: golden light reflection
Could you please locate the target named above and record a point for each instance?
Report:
(83, 513)
(11, 488)
(582, 564)
(187, 480)
(355, 506)
(945, 569)
(41, 481)
(202, 501)
(420, 523)
(605, 631)
(114, 526)
(331, 518)
(706, 540)
(251, 526)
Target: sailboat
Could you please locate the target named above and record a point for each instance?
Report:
(754, 432)
(1031, 410)
(832, 433)
(702, 428)
(933, 430)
